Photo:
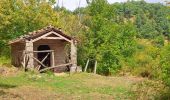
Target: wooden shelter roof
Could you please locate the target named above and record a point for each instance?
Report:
(38, 33)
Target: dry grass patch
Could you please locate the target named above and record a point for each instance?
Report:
(31, 86)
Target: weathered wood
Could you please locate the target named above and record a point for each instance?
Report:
(42, 36)
(39, 51)
(53, 38)
(44, 51)
(95, 67)
(30, 44)
(85, 69)
(53, 59)
(39, 61)
(58, 47)
(43, 61)
(45, 57)
(45, 35)
(24, 62)
(54, 67)
(62, 37)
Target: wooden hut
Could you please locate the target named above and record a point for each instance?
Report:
(44, 49)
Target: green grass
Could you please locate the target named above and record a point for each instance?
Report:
(76, 86)
(5, 61)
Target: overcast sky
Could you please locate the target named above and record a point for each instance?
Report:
(73, 4)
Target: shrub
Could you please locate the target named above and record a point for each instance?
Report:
(165, 65)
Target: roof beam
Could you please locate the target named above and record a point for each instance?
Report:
(55, 38)
(52, 32)
(36, 39)
(62, 37)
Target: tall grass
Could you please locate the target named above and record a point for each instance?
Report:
(5, 60)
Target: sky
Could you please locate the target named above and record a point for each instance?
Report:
(73, 4)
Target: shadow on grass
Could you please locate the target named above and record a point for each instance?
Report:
(6, 86)
(2, 92)
(6, 94)
(164, 95)
(9, 96)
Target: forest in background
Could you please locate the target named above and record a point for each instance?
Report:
(130, 38)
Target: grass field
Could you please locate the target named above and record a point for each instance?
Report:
(80, 86)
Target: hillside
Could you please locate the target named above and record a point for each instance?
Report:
(84, 86)
(122, 40)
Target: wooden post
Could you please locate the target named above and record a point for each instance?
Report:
(39, 62)
(39, 66)
(53, 60)
(95, 67)
(54, 67)
(29, 53)
(73, 56)
(85, 69)
(24, 62)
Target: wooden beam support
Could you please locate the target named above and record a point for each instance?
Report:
(39, 61)
(62, 37)
(43, 61)
(24, 62)
(53, 38)
(53, 59)
(95, 67)
(39, 51)
(52, 32)
(42, 36)
(42, 70)
(85, 69)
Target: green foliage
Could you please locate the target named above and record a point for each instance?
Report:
(4, 60)
(82, 85)
(116, 35)
(165, 63)
(128, 37)
(18, 17)
(110, 38)
(151, 90)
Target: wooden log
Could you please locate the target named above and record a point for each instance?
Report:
(45, 58)
(24, 62)
(95, 67)
(43, 36)
(85, 69)
(43, 51)
(55, 67)
(53, 38)
(43, 61)
(39, 61)
(53, 59)
(39, 51)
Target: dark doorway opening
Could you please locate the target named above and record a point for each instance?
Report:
(42, 55)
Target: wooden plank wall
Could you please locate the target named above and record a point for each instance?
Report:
(16, 53)
(59, 50)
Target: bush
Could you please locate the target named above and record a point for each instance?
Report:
(165, 65)
(145, 61)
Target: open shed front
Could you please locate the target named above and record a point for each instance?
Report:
(44, 49)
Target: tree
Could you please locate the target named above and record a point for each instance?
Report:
(18, 17)
(106, 41)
